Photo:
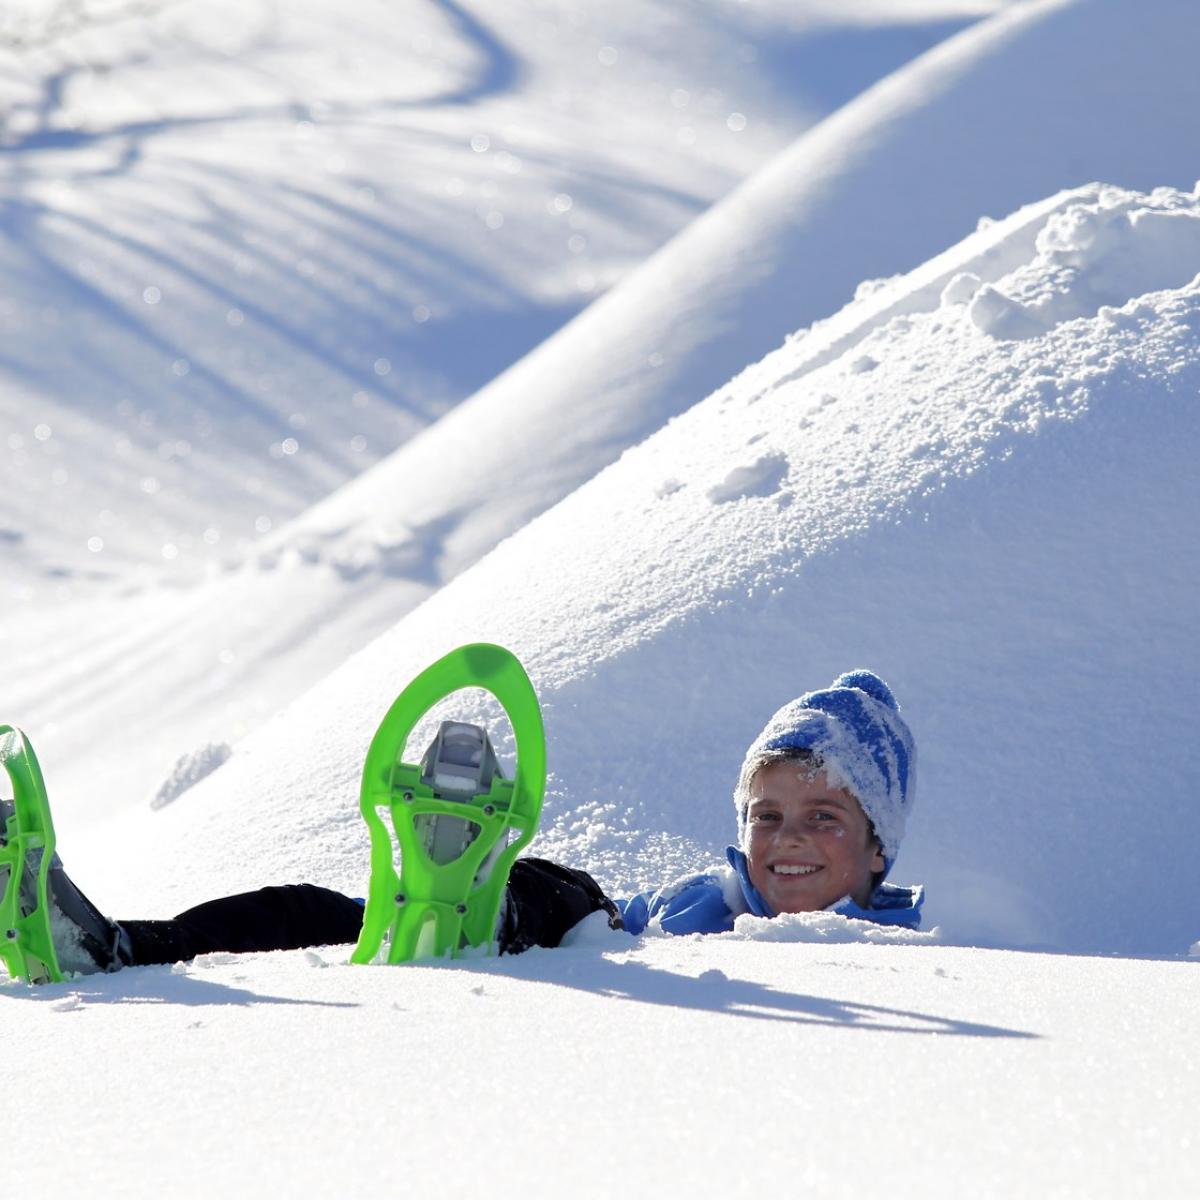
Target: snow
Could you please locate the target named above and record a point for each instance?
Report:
(185, 473)
(914, 391)
(890, 180)
(921, 1064)
(900, 534)
(294, 242)
(826, 927)
(189, 770)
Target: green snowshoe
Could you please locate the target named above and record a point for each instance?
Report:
(26, 852)
(453, 813)
(49, 930)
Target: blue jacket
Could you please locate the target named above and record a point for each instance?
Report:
(710, 903)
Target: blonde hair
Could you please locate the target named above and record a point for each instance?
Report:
(764, 758)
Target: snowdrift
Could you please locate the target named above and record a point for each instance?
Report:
(975, 126)
(291, 240)
(247, 249)
(221, 1063)
(978, 479)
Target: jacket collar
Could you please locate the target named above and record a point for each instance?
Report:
(753, 897)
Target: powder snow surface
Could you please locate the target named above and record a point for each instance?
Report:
(247, 249)
(677, 1067)
(976, 127)
(292, 241)
(959, 452)
(976, 516)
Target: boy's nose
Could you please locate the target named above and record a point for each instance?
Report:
(795, 830)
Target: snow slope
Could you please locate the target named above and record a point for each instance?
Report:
(246, 249)
(974, 127)
(677, 1067)
(876, 189)
(977, 479)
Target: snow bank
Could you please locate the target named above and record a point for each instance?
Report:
(212, 1063)
(282, 242)
(829, 928)
(248, 249)
(975, 126)
(978, 126)
(1001, 526)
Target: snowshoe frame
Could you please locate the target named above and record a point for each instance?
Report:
(440, 909)
(26, 943)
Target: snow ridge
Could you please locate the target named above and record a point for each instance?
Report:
(663, 623)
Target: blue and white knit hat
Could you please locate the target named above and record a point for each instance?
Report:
(864, 745)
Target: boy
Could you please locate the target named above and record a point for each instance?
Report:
(821, 803)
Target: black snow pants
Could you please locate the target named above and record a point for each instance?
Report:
(544, 901)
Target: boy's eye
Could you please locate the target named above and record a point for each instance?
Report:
(764, 815)
(823, 817)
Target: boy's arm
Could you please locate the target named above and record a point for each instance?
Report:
(695, 904)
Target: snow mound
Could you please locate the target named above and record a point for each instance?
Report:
(976, 126)
(1000, 527)
(875, 189)
(203, 341)
(192, 767)
(826, 927)
(249, 249)
(1090, 258)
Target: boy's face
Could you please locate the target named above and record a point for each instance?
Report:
(808, 844)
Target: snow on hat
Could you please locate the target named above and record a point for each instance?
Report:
(855, 728)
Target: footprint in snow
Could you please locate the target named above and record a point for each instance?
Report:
(761, 477)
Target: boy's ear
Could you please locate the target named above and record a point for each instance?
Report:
(877, 863)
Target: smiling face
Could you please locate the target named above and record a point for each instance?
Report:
(807, 844)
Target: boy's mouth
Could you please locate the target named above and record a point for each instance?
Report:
(792, 869)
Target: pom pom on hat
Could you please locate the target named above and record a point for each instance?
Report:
(869, 682)
(854, 727)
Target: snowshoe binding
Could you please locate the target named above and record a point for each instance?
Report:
(48, 927)
(453, 813)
